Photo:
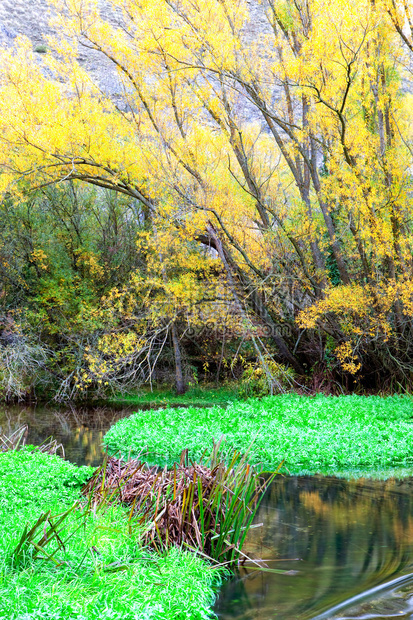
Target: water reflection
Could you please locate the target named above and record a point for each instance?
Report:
(349, 536)
(79, 430)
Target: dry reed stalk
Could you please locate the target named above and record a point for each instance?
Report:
(206, 507)
(17, 441)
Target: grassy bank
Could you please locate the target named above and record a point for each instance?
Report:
(194, 397)
(310, 434)
(104, 573)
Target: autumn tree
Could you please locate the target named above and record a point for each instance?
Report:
(273, 133)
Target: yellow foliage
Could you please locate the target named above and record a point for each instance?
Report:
(40, 258)
(349, 362)
(91, 262)
(362, 312)
(292, 143)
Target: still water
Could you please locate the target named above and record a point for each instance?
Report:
(336, 539)
(80, 431)
(346, 546)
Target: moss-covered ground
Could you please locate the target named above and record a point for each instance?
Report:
(104, 573)
(321, 434)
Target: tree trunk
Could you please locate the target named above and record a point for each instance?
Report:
(180, 384)
(251, 298)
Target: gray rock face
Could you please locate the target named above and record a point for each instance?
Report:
(31, 18)
(24, 17)
(6, 35)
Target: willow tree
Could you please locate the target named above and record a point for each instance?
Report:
(273, 132)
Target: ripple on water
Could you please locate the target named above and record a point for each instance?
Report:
(350, 535)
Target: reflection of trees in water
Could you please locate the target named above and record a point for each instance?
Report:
(350, 535)
(79, 430)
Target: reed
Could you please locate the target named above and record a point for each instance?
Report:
(17, 441)
(207, 507)
(47, 532)
(13, 441)
(103, 573)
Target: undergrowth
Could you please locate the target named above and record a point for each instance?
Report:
(310, 434)
(104, 572)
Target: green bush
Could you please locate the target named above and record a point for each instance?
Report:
(258, 381)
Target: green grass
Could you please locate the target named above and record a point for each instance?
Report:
(141, 586)
(194, 397)
(311, 434)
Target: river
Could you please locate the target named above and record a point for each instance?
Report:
(345, 546)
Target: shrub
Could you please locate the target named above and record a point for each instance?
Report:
(264, 379)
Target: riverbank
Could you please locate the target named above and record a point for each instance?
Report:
(102, 572)
(359, 435)
(162, 397)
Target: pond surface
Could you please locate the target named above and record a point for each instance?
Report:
(338, 539)
(346, 546)
(80, 431)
